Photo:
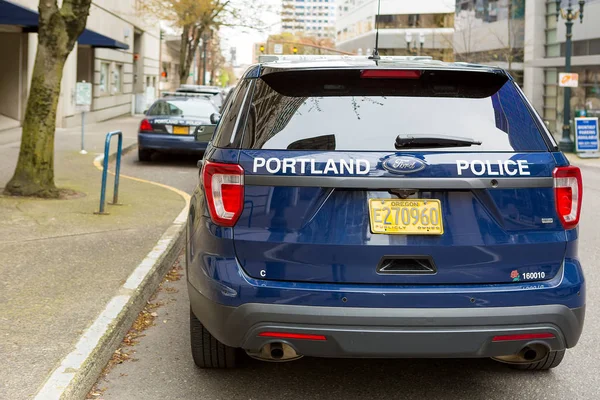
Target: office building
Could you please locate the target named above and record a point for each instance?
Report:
(491, 32)
(308, 17)
(423, 27)
(545, 39)
(118, 53)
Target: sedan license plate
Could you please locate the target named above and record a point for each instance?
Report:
(406, 217)
(181, 130)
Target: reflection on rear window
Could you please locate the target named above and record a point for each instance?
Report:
(183, 108)
(350, 121)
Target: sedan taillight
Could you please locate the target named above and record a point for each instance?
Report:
(224, 188)
(568, 193)
(146, 126)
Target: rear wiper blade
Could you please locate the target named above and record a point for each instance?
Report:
(426, 141)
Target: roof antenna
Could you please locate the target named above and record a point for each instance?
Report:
(375, 56)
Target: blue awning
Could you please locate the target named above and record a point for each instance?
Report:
(97, 40)
(13, 14)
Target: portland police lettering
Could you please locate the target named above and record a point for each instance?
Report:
(493, 168)
(311, 166)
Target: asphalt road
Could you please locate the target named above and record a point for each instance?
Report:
(163, 367)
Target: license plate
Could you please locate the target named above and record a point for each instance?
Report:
(181, 130)
(406, 217)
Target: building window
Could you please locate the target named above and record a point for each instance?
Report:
(401, 21)
(103, 77)
(117, 79)
(589, 47)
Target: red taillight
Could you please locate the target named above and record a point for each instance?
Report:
(523, 336)
(568, 192)
(286, 335)
(146, 126)
(390, 74)
(224, 187)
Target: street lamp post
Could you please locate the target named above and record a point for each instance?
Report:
(566, 144)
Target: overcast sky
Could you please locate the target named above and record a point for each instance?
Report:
(243, 39)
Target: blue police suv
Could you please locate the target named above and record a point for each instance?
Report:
(400, 207)
(177, 123)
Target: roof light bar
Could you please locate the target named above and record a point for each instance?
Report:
(185, 94)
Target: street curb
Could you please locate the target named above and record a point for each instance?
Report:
(583, 162)
(80, 369)
(124, 150)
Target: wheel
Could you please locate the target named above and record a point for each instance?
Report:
(144, 155)
(552, 360)
(207, 351)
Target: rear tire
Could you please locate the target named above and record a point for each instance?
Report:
(144, 155)
(207, 351)
(552, 360)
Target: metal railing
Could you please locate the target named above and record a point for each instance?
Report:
(115, 201)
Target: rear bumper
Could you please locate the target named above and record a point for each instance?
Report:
(389, 332)
(165, 142)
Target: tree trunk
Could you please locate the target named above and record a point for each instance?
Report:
(212, 71)
(188, 50)
(34, 175)
(183, 47)
(57, 34)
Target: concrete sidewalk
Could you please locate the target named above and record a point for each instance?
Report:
(60, 264)
(583, 162)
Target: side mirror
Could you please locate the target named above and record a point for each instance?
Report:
(145, 112)
(215, 118)
(205, 132)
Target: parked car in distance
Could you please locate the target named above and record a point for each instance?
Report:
(177, 123)
(214, 92)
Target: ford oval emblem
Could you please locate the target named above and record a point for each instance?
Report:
(403, 165)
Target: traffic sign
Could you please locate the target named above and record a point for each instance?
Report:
(83, 102)
(586, 137)
(83, 96)
(568, 79)
(278, 48)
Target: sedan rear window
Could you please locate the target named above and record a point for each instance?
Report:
(343, 111)
(184, 108)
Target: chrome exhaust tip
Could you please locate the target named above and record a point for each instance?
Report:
(530, 353)
(275, 352)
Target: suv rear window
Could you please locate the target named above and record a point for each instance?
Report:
(339, 110)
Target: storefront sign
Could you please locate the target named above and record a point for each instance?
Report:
(586, 137)
(568, 79)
